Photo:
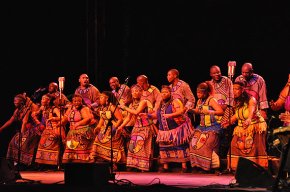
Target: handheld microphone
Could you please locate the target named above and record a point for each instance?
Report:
(127, 79)
(231, 68)
(40, 90)
(61, 83)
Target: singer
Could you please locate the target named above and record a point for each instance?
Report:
(108, 135)
(26, 128)
(49, 147)
(181, 89)
(255, 86)
(140, 149)
(283, 101)
(88, 91)
(77, 149)
(249, 136)
(53, 92)
(121, 91)
(223, 91)
(223, 87)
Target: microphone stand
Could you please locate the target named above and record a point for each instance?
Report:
(110, 124)
(229, 162)
(229, 167)
(60, 138)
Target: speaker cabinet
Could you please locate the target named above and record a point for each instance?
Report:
(250, 174)
(86, 174)
(7, 172)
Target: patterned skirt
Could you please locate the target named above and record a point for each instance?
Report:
(28, 146)
(140, 149)
(78, 145)
(49, 146)
(103, 146)
(249, 143)
(203, 147)
(173, 144)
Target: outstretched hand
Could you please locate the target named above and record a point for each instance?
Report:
(285, 117)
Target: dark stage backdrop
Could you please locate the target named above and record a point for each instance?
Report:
(45, 40)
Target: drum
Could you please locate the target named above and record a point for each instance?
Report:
(283, 133)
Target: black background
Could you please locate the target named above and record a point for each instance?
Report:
(44, 40)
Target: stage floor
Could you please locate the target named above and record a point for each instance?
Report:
(130, 181)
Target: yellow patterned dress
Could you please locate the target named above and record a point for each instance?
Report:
(249, 143)
(108, 141)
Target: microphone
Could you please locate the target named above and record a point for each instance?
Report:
(40, 90)
(61, 83)
(231, 68)
(127, 79)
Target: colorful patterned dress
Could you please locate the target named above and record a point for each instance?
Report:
(140, 148)
(205, 140)
(49, 144)
(249, 143)
(103, 143)
(79, 140)
(173, 135)
(28, 139)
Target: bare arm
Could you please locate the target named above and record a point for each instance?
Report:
(279, 103)
(233, 119)
(141, 106)
(178, 109)
(126, 120)
(251, 108)
(217, 109)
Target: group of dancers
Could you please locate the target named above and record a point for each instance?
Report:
(131, 126)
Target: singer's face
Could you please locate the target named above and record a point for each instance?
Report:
(201, 94)
(165, 93)
(77, 101)
(45, 100)
(237, 90)
(246, 72)
(52, 87)
(113, 84)
(170, 76)
(103, 99)
(136, 93)
(84, 80)
(215, 73)
(17, 102)
(141, 82)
